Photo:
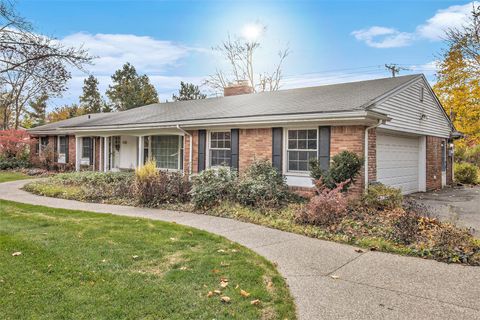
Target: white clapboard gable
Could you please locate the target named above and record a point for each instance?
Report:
(410, 114)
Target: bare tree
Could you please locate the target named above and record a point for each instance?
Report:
(467, 39)
(240, 56)
(30, 64)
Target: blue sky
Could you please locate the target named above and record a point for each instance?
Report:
(330, 41)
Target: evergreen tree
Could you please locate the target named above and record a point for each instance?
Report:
(188, 91)
(91, 100)
(38, 111)
(129, 90)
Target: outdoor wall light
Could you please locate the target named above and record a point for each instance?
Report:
(423, 116)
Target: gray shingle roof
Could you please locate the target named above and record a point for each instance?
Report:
(328, 98)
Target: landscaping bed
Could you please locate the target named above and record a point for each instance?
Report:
(381, 220)
(69, 264)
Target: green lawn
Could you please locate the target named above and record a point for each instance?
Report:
(11, 176)
(82, 265)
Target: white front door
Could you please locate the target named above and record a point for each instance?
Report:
(115, 145)
(398, 161)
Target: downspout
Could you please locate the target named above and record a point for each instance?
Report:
(190, 151)
(366, 150)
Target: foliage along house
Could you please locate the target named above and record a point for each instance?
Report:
(396, 124)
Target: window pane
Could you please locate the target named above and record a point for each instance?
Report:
(302, 134)
(165, 151)
(292, 144)
(312, 144)
(219, 158)
(312, 134)
(302, 144)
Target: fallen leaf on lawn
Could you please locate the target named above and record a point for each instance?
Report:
(209, 294)
(225, 299)
(15, 254)
(215, 271)
(104, 260)
(359, 251)
(223, 284)
(244, 293)
(173, 239)
(220, 250)
(183, 268)
(255, 302)
(224, 264)
(134, 257)
(237, 286)
(334, 277)
(234, 250)
(217, 291)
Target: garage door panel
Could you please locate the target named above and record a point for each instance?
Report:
(397, 162)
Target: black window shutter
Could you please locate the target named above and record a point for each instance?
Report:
(234, 148)
(55, 148)
(91, 151)
(66, 148)
(202, 145)
(277, 148)
(324, 147)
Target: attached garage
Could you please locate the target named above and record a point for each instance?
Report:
(400, 161)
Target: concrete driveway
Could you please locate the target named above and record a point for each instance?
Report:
(328, 280)
(460, 205)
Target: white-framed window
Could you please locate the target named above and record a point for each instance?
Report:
(86, 147)
(219, 148)
(62, 149)
(165, 150)
(301, 146)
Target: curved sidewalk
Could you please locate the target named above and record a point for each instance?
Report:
(328, 280)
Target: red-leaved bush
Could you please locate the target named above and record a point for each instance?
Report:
(327, 207)
(14, 143)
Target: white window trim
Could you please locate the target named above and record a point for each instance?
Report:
(58, 148)
(285, 151)
(150, 154)
(207, 151)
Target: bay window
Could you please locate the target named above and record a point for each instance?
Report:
(302, 145)
(219, 148)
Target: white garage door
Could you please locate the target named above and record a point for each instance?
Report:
(397, 162)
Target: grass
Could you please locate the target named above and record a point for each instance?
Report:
(81, 265)
(6, 176)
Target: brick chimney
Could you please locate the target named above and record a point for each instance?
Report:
(237, 88)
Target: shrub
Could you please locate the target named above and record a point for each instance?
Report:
(98, 185)
(453, 244)
(213, 185)
(327, 208)
(152, 187)
(345, 166)
(472, 155)
(382, 197)
(405, 227)
(262, 186)
(466, 173)
(13, 163)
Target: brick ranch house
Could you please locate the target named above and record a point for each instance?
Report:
(396, 124)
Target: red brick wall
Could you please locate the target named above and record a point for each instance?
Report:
(372, 155)
(351, 138)
(71, 151)
(434, 163)
(254, 144)
(186, 152)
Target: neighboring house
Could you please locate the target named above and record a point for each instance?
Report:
(396, 124)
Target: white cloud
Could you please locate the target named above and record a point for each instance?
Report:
(452, 17)
(382, 37)
(433, 29)
(113, 50)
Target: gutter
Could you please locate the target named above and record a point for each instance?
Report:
(366, 150)
(190, 151)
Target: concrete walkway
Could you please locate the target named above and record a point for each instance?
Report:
(328, 280)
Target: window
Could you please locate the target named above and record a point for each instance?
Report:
(165, 151)
(421, 94)
(219, 153)
(301, 147)
(62, 149)
(87, 147)
(43, 143)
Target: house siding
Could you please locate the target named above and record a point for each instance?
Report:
(406, 109)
